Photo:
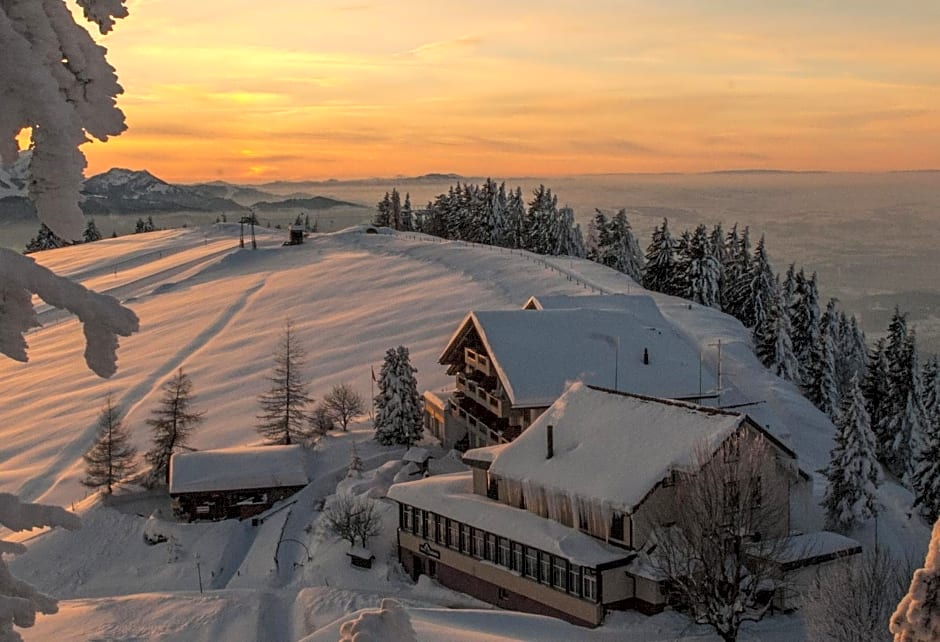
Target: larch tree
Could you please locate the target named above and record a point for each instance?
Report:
(284, 406)
(56, 82)
(853, 472)
(19, 601)
(398, 411)
(111, 459)
(172, 422)
(917, 618)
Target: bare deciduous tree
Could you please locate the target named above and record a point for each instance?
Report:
(853, 602)
(725, 532)
(283, 407)
(110, 460)
(344, 404)
(172, 422)
(353, 518)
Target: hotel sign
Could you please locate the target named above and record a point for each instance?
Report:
(430, 552)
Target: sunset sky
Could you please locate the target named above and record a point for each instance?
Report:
(249, 91)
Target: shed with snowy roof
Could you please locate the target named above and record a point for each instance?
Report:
(235, 482)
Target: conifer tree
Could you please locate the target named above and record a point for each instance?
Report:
(354, 470)
(283, 406)
(820, 380)
(805, 319)
(599, 239)
(909, 427)
(762, 289)
(659, 274)
(772, 341)
(875, 389)
(91, 233)
(853, 472)
(383, 211)
(624, 250)
(110, 460)
(698, 272)
(925, 473)
(394, 214)
(407, 215)
(44, 240)
(398, 411)
(737, 269)
(173, 422)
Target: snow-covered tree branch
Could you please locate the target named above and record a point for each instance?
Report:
(55, 81)
(19, 602)
(103, 317)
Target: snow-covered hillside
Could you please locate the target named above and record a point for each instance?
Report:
(217, 311)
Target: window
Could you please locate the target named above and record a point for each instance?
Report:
(574, 578)
(421, 523)
(589, 584)
(477, 543)
(503, 552)
(503, 593)
(517, 557)
(453, 534)
(492, 489)
(439, 530)
(616, 526)
(732, 496)
(464, 539)
(559, 574)
(489, 547)
(532, 563)
(407, 518)
(545, 576)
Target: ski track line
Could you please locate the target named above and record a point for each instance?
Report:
(130, 400)
(50, 314)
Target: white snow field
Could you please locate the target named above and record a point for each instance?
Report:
(217, 311)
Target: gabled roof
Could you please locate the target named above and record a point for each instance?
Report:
(237, 469)
(537, 352)
(613, 447)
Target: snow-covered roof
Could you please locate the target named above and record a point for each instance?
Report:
(484, 455)
(452, 496)
(417, 454)
(237, 469)
(813, 548)
(536, 352)
(639, 304)
(612, 447)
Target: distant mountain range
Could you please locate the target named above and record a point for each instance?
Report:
(138, 192)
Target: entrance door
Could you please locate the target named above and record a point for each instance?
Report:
(418, 568)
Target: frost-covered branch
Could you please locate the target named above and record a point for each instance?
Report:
(103, 317)
(55, 80)
(19, 601)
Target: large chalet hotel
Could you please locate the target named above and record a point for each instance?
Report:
(576, 425)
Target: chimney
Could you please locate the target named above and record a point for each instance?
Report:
(549, 442)
(646, 357)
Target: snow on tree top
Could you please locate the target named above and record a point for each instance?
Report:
(452, 495)
(237, 469)
(537, 352)
(634, 441)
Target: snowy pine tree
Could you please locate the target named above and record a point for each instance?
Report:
(111, 459)
(624, 251)
(91, 233)
(925, 473)
(44, 240)
(772, 341)
(762, 290)
(354, 470)
(917, 618)
(819, 383)
(407, 214)
(598, 241)
(283, 406)
(737, 269)
(398, 411)
(853, 472)
(659, 274)
(698, 271)
(805, 319)
(172, 422)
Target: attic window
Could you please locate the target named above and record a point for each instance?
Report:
(616, 526)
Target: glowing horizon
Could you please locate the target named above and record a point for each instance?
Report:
(238, 92)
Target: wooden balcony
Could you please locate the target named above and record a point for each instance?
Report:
(496, 405)
(478, 361)
(484, 434)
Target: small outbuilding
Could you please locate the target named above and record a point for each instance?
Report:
(234, 482)
(420, 457)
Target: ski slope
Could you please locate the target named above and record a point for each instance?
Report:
(217, 311)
